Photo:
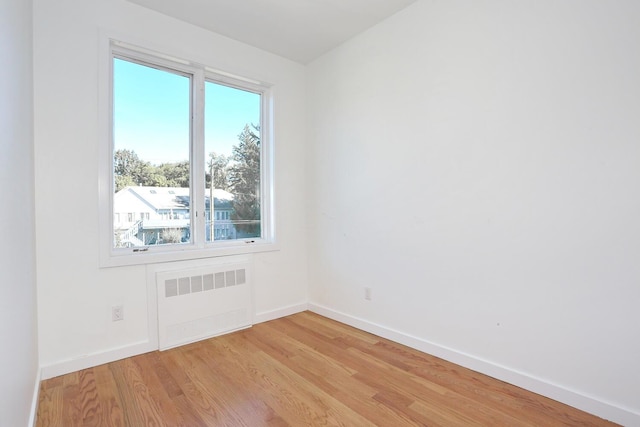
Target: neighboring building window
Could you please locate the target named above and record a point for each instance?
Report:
(185, 142)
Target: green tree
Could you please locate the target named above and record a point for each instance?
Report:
(123, 181)
(244, 181)
(218, 167)
(176, 174)
(129, 169)
(156, 179)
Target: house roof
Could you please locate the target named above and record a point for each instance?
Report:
(168, 198)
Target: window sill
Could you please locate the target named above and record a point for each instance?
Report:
(162, 256)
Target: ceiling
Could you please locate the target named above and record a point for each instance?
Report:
(300, 30)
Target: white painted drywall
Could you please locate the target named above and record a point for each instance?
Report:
(477, 165)
(75, 295)
(18, 318)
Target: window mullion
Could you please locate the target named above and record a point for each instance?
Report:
(198, 159)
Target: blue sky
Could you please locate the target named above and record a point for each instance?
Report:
(151, 113)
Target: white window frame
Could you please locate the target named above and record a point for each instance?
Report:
(198, 248)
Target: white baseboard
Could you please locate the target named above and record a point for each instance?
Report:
(592, 405)
(95, 359)
(265, 316)
(35, 399)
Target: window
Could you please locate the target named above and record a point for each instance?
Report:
(192, 144)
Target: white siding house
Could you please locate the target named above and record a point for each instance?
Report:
(144, 215)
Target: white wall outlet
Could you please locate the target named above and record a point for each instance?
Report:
(367, 293)
(117, 313)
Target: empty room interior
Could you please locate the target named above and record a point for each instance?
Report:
(454, 183)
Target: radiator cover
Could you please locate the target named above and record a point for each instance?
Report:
(199, 303)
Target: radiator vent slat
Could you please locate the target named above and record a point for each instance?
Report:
(241, 277)
(196, 283)
(171, 288)
(190, 284)
(208, 282)
(219, 280)
(184, 286)
(231, 278)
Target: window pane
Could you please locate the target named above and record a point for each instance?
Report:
(232, 165)
(151, 132)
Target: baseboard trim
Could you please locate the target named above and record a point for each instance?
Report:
(265, 316)
(96, 359)
(111, 355)
(606, 410)
(35, 399)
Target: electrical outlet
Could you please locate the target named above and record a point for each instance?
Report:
(367, 294)
(117, 313)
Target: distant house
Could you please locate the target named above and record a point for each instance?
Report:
(155, 215)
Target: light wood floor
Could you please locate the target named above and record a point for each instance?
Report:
(302, 370)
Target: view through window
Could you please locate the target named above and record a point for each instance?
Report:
(161, 167)
(232, 148)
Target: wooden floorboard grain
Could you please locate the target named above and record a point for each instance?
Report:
(91, 409)
(51, 402)
(301, 370)
(71, 411)
(112, 414)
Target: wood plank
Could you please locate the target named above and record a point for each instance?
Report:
(50, 405)
(112, 415)
(296, 371)
(71, 407)
(295, 400)
(157, 391)
(336, 379)
(138, 406)
(199, 390)
(89, 401)
(237, 404)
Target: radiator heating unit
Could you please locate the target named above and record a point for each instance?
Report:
(203, 302)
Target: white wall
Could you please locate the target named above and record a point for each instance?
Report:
(75, 295)
(18, 324)
(477, 164)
